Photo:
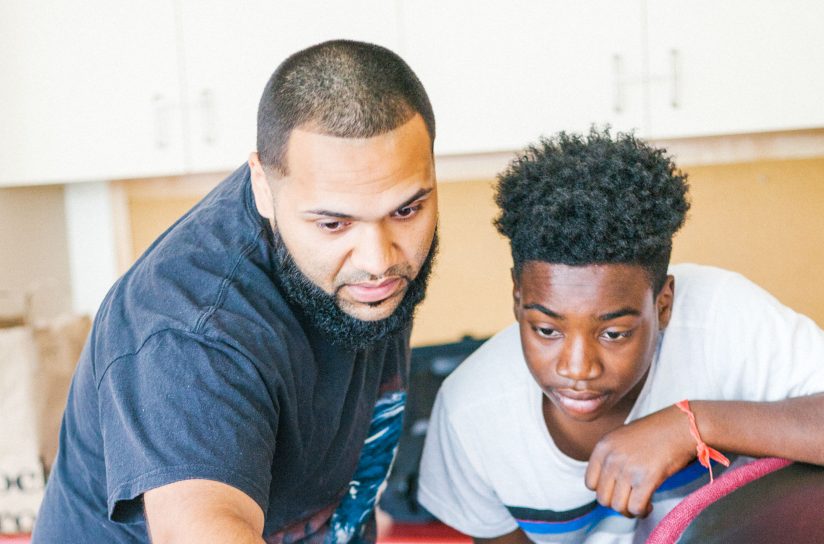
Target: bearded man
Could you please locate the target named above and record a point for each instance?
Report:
(245, 380)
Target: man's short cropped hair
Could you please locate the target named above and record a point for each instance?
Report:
(581, 200)
(341, 88)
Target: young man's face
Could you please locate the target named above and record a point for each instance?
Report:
(357, 215)
(589, 333)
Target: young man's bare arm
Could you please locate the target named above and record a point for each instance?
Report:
(629, 463)
(515, 537)
(788, 428)
(202, 511)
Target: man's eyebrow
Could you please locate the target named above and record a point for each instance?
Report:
(417, 196)
(619, 313)
(329, 213)
(544, 310)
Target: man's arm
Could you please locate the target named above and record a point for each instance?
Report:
(631, 462)
(202, 511)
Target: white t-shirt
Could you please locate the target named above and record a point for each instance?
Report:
(490, 465)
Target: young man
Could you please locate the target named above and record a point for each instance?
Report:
(563, 427)
(245, 380)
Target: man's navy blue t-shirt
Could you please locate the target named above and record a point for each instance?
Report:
(196, 367)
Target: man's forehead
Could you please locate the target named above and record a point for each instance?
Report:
(310, 138)
(335, 173)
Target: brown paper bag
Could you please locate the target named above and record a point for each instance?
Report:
(58, 343)
(36, 366)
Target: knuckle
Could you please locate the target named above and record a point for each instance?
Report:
(614, 461)
(637, 508)
(637, 475)
(607, 442)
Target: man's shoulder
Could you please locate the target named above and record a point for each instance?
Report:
(209, 272)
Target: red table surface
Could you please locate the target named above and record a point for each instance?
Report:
(397, 533)
(431, 533)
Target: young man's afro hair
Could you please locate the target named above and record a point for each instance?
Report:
(581, 200)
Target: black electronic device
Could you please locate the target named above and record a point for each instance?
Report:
(429, 366)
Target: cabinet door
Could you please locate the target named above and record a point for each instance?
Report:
(90, 91)
(736, 66)
(500, 74)
(231, 48)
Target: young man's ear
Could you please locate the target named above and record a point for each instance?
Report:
(663, 302)
(516, 295)
(261, 188)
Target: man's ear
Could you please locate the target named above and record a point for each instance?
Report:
(516, 294)
(664, 301)
(261, 188)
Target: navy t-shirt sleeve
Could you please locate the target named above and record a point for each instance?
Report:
(184, 407)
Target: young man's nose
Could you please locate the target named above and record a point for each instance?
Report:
(578, 360)
(375, 251)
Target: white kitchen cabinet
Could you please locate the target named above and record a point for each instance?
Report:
(99, 90)
(500, 75)
(90, 91)
(229, 50)
(736, 66)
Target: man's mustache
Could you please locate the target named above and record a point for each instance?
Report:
(403, 272)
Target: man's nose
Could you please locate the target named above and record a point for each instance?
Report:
(579, 360)
(375, 251)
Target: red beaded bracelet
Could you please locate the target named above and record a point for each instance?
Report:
(705, 453)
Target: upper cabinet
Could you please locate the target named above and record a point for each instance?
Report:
(736, 66)
(501, 75)
(100, 90)
(90, 91)
(229, 50)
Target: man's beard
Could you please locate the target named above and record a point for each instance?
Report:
(322, 312)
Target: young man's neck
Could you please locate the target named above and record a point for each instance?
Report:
(577, 439)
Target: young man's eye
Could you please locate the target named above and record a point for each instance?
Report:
(617, 335)
(332, 226)
(407, 211)
(546, 332)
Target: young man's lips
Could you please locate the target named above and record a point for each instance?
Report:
(579, 402)
(374, 292)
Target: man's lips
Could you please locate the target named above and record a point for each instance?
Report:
(374, 292)
(578, 402)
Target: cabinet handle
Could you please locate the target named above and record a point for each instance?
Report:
(675, 63)
(207, 112)
(618, 82)
(161, 111)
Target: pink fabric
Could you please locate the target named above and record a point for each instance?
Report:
(669, 530)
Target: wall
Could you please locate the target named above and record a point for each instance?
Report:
(470, 292)
(33, 250)
(763, 219)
